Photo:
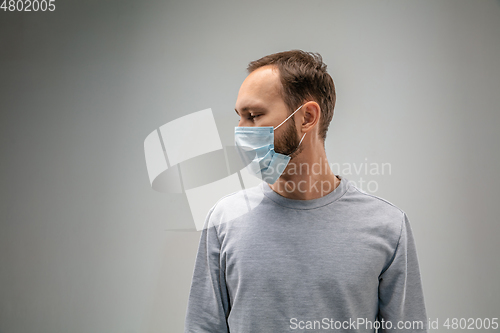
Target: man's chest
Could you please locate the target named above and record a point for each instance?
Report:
(301, 262)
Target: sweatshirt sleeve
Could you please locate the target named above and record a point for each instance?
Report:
(208, 305)
(401, 296)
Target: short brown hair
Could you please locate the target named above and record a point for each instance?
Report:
(303, 77)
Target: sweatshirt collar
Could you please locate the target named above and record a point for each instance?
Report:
(307, 204)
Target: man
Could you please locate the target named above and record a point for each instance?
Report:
(306, 250)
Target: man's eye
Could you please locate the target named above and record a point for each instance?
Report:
(253, 116)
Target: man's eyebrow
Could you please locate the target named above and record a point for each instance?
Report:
(253, 108)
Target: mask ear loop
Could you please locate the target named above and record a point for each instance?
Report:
(301, 139)
(297, 145)
(289, 117)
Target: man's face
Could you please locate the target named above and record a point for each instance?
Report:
(259, 104)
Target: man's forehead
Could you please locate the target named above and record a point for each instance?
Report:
(261, 87)
(263, 78)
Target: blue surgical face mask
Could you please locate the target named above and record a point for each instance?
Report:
(256, 148)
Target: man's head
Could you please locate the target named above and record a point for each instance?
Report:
(277, 85)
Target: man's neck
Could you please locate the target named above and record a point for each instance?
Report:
(306, 177)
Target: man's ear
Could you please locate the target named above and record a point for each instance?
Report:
(312, 113)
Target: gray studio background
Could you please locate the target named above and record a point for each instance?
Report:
(84, 245)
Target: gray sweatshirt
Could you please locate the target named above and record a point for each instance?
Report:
(345, 262)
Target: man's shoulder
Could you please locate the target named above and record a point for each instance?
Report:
(374, 207)
(375, 200)
(239, 197)
(236, 204)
